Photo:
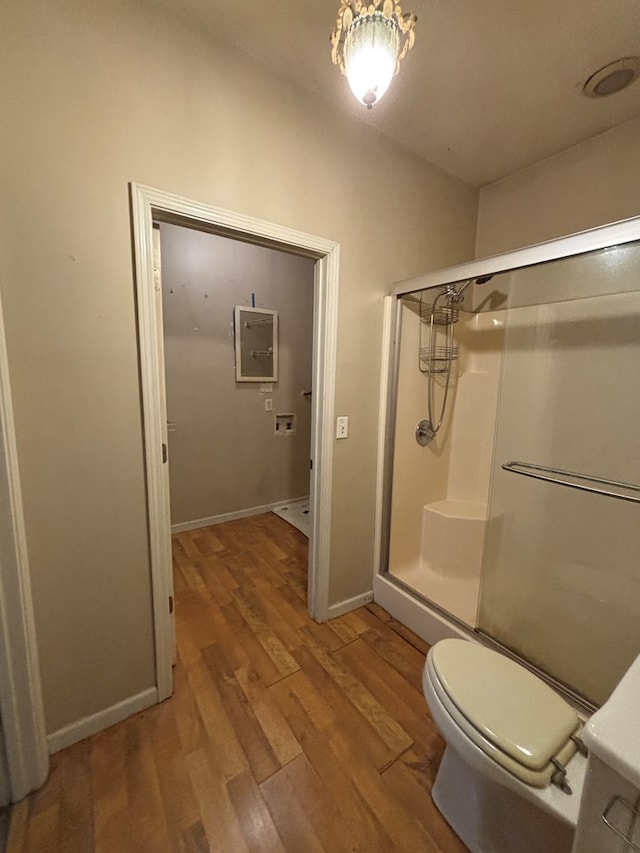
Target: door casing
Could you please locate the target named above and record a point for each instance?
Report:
(21, 708)
(149, 205)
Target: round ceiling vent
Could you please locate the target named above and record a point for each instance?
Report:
(613, 77)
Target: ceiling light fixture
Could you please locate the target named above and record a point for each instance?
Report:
(368, 44)
(613, 78)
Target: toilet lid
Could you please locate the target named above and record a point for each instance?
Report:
(512, 708)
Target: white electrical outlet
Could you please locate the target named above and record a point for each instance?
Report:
(268, 405)
(342, 427)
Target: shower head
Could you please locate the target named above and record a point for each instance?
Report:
(454, 295)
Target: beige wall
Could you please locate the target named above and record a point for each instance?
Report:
(590, 184)
(224, 454)
(94, 95)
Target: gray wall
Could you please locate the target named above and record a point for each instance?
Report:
(224, 455)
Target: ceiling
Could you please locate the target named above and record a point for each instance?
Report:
(489, 88)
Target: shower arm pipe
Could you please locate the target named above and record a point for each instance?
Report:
(587, 483)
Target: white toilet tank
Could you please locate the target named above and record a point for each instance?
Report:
(609, 818)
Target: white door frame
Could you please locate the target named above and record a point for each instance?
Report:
(23, 728)
(149, 204)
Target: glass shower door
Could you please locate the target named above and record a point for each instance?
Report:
(561, 565)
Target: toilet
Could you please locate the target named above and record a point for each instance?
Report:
(512, 774)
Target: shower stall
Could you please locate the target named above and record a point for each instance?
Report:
(510, 489)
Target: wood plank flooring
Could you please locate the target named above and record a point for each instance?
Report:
(281, 735)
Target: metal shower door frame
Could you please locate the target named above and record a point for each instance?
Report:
(583, 242)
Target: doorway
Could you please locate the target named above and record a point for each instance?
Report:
(148, 206)
(238, 345)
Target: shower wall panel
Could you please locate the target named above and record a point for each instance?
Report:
(440, 491)
(419, 474)
(473, 410)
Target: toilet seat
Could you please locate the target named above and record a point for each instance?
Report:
(508, 712)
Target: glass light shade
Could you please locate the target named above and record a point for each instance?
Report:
(371, 56)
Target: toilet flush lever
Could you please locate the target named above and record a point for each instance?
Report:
(559, 777)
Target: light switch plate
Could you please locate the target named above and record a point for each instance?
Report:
(342, 427)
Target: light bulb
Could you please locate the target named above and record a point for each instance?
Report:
(371, 57)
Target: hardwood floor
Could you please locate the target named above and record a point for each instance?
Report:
(281, 735)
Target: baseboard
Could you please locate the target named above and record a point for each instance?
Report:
(349, 604)
(229, 516)
(102, 720)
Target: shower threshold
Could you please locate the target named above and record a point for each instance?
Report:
(455, 596)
